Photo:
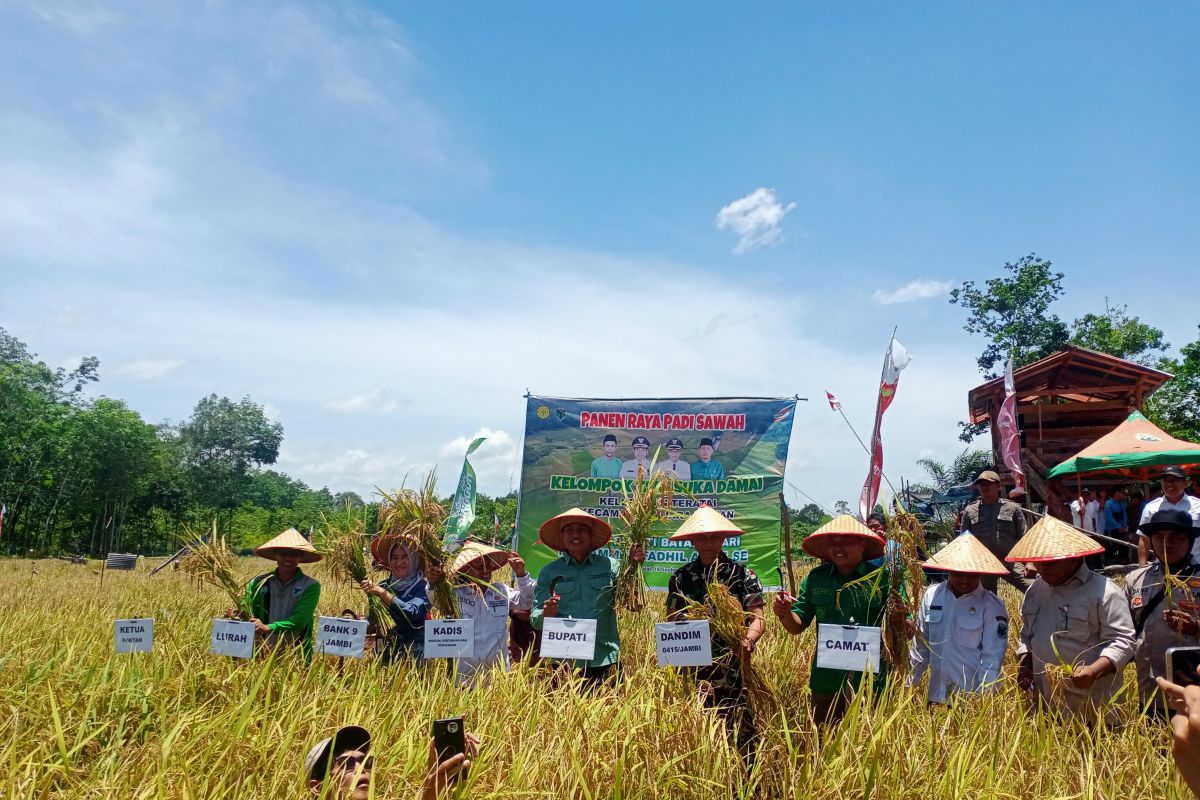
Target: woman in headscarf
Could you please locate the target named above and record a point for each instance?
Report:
(405, 595)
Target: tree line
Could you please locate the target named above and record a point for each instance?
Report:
(87, 475)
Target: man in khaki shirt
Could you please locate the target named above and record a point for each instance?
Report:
(1072, 617)
(998, 524)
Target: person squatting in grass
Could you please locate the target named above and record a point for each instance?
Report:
(707, 531)
(1076, 631)
(835, 592)
(284, 601)
(486, 603)
(405, 595)
(341, 767)
(582, 584)
(1163, 616)
(962, 628)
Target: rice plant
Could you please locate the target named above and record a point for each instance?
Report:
(417, 515)
(343, 542)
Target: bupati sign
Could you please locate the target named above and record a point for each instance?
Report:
(729, 453)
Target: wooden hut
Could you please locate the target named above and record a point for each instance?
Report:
(1064, 403)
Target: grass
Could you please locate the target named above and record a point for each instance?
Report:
(78, 721)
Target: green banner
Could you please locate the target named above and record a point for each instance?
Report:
(729, 453)
(462, 509)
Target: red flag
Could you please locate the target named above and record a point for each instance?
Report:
(1010, 437)
(896, 359)
(834, 405)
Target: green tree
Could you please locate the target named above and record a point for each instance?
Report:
(965, 466)
(1013, 315)
(1176, 406)
(1116, 333)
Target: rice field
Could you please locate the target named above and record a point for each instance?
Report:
(80, 721)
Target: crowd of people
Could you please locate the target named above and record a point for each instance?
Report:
(1078, 628)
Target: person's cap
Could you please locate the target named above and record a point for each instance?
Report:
(816, 544)
(704, 521)
(988, 475)
(707, 441)
(1171, 519)
(608, 437)
(1052, 539)
(1173, 472)
(290, 542)
(1088, 491)
(550, 534)
(673, 442)
(641, 441)
(966, 554)
(351, 737)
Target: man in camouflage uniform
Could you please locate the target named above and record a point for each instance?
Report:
(707, 530)
(998, 524)
(1160, 622)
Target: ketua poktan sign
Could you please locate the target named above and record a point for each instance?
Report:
(729, 453)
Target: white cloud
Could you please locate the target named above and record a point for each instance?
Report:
(148, 368)
(495, 462)
(380, 400)
(921, 289)
(755, 218)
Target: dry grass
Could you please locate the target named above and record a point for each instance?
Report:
(645, 509)
(79, 721)
(417, 515)
(343, 541)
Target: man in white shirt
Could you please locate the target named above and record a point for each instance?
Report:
(682, 470)
(1078, 506)
(1174, 498)
(962, 629)
(1091, 511)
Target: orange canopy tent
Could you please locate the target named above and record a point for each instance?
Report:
(1136, 448)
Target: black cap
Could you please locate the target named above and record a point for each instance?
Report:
(1173, 472)
(641, 440)
(706, 441)
(1171, 519)
(673, 442)
(608, 437)
(351, 737)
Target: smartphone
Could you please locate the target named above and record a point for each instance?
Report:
(1182, 663)
(449, 738)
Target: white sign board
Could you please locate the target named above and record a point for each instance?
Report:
(449, 638)
(848, 647)
(341, 637)
(566, 637)
(231, 637)
(133, 635)
(683, 644)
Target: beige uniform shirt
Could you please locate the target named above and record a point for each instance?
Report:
(1088, 617)
(1141, 586)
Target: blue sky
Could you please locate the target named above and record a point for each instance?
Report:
(386, 221)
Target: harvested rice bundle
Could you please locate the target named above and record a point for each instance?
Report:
(417, 515)
(904, 566)
(646, 504)
(343, 541)
(209, 560)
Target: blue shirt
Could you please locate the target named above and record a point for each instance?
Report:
(605, 467)
(711, 471)
(1114, 515)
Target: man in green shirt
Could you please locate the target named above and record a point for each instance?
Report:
(607, 465)
(582, 584)
(285, 600)
(707, 469)
(845, 546)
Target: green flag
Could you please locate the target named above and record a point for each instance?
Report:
(462, 510)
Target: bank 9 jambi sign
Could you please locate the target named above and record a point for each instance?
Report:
(727, 452)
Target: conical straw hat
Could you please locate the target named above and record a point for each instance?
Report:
(472, 551)
(381, 546)
(1052, 539)
(966, 554)
(290, 541)
(550, 534)
(705, 520)
(817, 543)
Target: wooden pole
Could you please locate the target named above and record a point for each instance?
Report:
(787, 543)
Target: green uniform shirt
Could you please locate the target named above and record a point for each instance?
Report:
(818, 599)
(712, 471)
(287, 609)
(586, 591)
(605, 467)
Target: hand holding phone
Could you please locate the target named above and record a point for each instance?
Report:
(449, 738)
(1182, 663)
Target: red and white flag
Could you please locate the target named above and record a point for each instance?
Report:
(894, 360)
(834, 403)
(3, 512)
(1010, 437)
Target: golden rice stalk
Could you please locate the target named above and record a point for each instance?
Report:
(903, 567)
(209, 560)
(343, 541)
(728, 622)
(417, 515)
(646, 502)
